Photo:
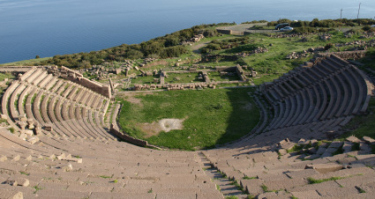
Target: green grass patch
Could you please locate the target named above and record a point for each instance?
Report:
(11, 129)
(296, 148)
(264, 188)
(317, 181)
(231, 197)
(4, 121)
(24, 173)
(362, 125)
(235, 183)
(265, 78)
(145, 79)
(29, 62)
(105, 177)
(250, 196)
(183, 78)
(250, 178)
(212, 116)
(215, 76)
(37, 188)
(4, 76)
(33, 98)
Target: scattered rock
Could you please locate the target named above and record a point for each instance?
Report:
(353, 139)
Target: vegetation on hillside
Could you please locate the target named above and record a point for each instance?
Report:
(325, 23)
(161, 47)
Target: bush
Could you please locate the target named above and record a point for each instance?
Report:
(256, 27)
(328, 46)
(284, 21)
(11, 129)
(254, 21)
(304, 29)
(163, 47)
(299, 23)
(210, 33)
(272, 23)
(368, 29)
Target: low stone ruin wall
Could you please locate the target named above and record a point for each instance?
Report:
(358, 54)
(17, 69)
(209, 58)
(79, 79)
(116, 132)
(223, 31)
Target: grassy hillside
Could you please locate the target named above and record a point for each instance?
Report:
(30, 62)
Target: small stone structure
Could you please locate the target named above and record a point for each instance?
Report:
(203, 75)
(346, 54)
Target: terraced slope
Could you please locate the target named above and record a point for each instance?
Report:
(43, 101)
(281, 158)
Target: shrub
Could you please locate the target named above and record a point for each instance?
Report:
(304, 29)
(210, 33)
(368, 29)
(256, 27)
(328, 46)
(11, 129)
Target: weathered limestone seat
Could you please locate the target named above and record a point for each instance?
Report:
(51, 102)
(125, 171)
(332, 88)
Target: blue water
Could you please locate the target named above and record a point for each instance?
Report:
(50, 27)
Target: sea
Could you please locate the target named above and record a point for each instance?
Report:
(56, 27)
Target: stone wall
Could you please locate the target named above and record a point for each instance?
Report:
(17, 69)
(116, 132)
(79, 79)
(210, 58)
(347, 54)
(241, 73)
(223, 31)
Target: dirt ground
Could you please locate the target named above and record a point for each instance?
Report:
(165, 125)
(130, 97)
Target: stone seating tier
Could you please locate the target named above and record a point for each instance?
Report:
(53, 109)
(334, 83)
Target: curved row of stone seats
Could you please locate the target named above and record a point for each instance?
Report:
(22, 98)
(100, 169)
(115, 112)
(5, 102)
(33, 102)
(71, 120)
(331, 88)
(14, 99)
(70, 90)
(261, 167)
(312, 104)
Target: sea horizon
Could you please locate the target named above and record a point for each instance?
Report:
(48, 28)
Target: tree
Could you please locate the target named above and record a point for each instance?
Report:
(37, 57)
